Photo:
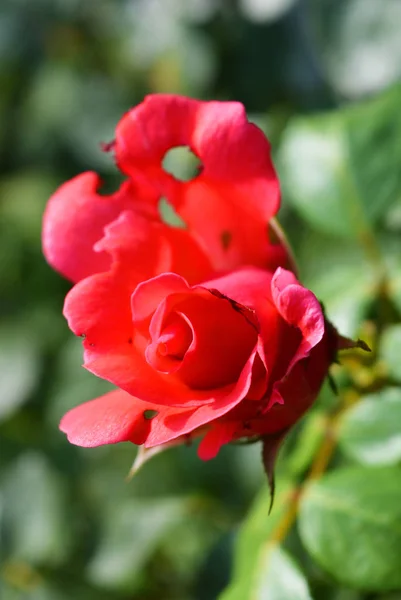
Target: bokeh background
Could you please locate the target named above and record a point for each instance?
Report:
(320, 77)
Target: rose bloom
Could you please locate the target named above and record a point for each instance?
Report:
(205, 331)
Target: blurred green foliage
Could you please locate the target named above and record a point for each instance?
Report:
(320, 77)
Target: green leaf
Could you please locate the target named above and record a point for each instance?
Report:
(350, 522)
(253, 542)
(279, 578)
(358, 43)
(131, 531)
(391, 251)
(19, 368)
(341, 277)
(35, 512)
(390, 351)
(262, 12)
(341, 169)
(370, 432)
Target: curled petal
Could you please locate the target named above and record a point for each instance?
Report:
(109, 419)
(215, 438)
(300, 308)
(312, 346)
(74, 221)
(251, 287)
(185, 422)
(149, 294)
(305, 346)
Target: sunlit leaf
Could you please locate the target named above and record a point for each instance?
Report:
(390, 351)
(254, 540)
(38, 523)
(19, 368)
(358, 43)
(279, 578)
(341, 170)
(341, 277)
(350, 523)
(131, 531)
(260, 10)
(370, 431)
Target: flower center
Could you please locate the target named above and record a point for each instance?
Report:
(175, 339)
(166, 352)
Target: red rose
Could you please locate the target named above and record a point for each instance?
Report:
(202, 329)
(240, 355)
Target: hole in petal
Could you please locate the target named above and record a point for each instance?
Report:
(182, 163)
(226, 238)
(168, 214)
(150, 414)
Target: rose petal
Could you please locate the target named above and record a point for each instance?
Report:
(151, 247)
(228, 205)
(305, 351)
(149, 294)
(215, 438)
(112, 418)
(230, 148)
(74, 221)
(184, 422)
(300, 308)
(307, 358)
(251, 287)
(223, 340)
(118, 417)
